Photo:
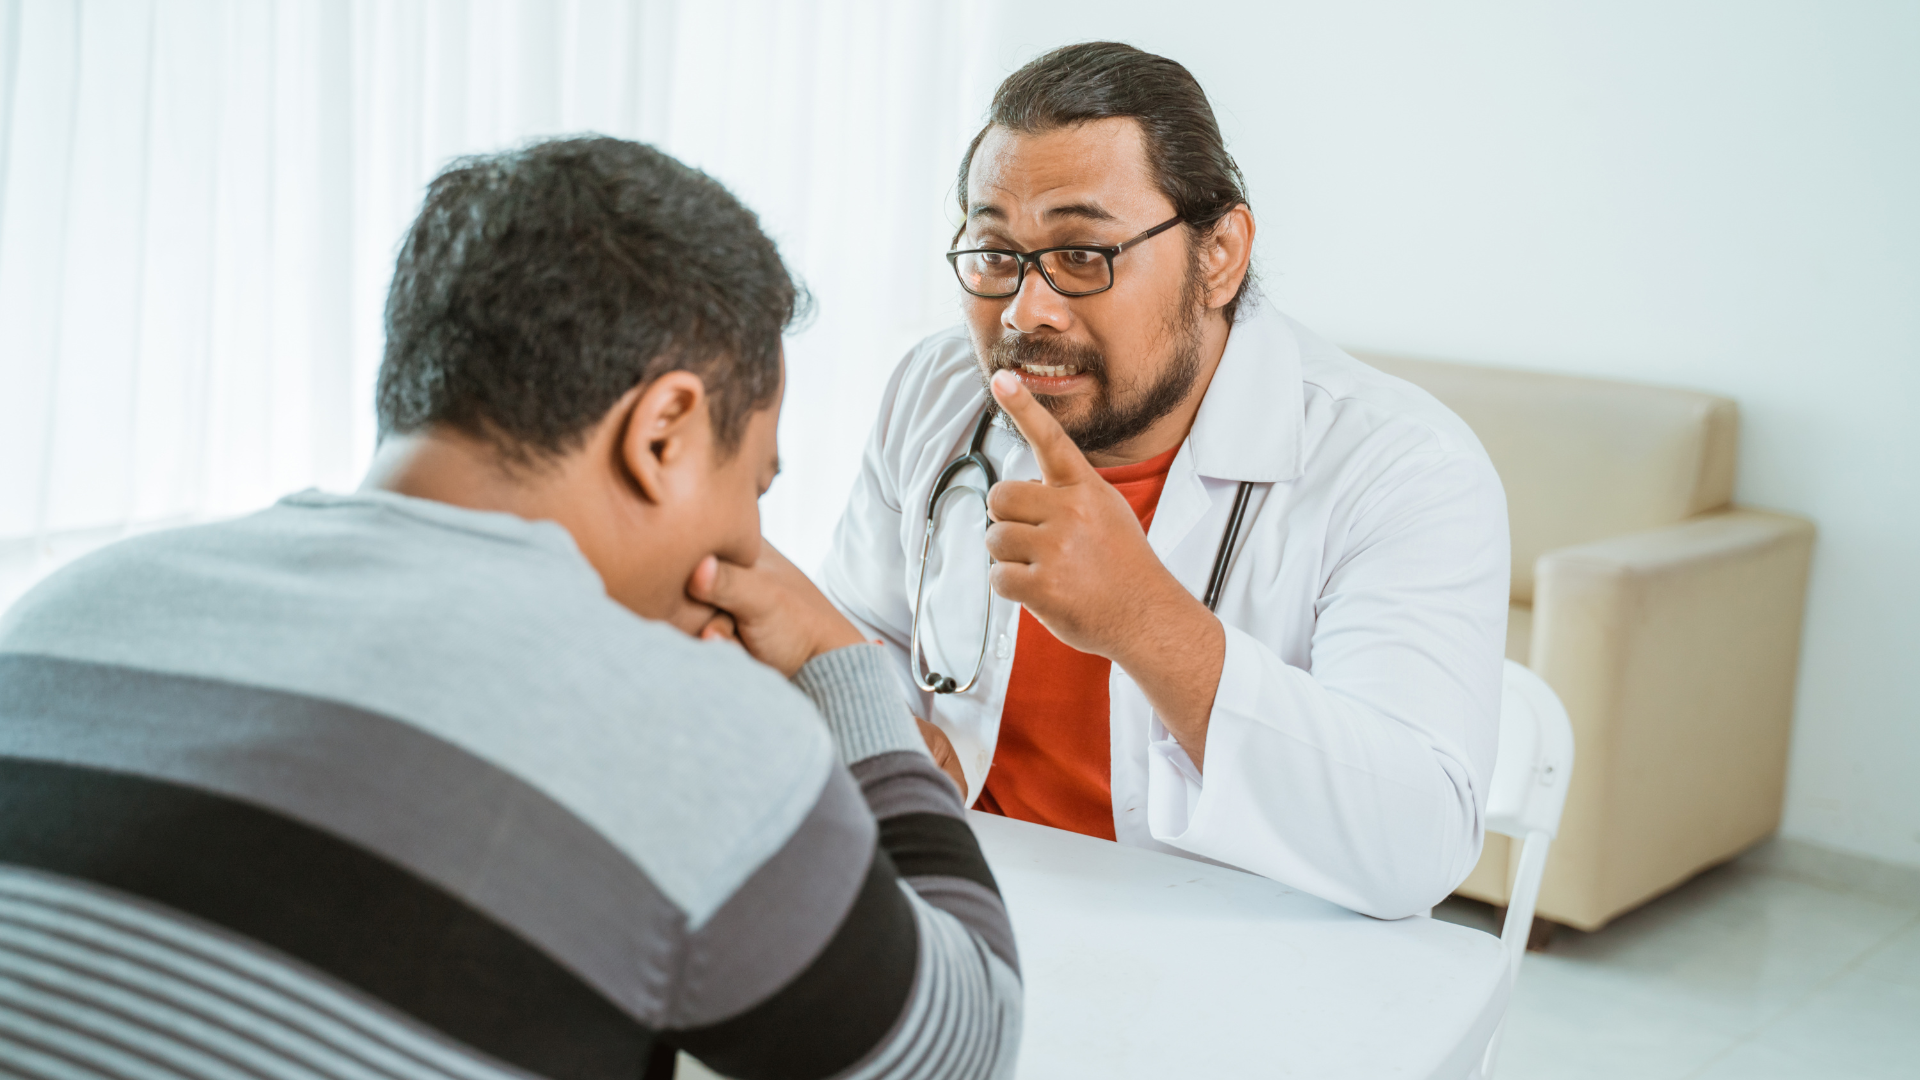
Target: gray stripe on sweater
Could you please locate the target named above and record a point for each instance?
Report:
(135, 990)
(961, 992)
(906, 782)
(776, 923)
(481, 834)
(975, 906)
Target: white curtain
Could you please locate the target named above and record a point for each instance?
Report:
(200, 202)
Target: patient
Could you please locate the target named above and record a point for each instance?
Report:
(434, 778)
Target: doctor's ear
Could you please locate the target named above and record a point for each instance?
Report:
(1225, 255)
(666, 429)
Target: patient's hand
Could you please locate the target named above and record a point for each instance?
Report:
(779, 615)
(719, 628)
(941, 748)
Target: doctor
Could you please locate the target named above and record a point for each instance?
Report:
(1329, 721)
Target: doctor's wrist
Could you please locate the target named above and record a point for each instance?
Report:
(1176, 658)
(1163, 627)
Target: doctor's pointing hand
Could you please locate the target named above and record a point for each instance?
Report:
(1068, 548)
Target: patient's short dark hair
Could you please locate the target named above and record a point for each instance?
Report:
(541, 284)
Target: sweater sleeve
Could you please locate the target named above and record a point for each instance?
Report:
(876, 934)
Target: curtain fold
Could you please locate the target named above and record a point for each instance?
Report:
(200, 202)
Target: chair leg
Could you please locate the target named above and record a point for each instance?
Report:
(1540, 934)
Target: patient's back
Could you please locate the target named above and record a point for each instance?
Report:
(371, 786)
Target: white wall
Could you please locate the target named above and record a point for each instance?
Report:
(200, 201)
(1723, 196)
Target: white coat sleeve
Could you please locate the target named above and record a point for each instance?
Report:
(864, 568)
(1362, 778)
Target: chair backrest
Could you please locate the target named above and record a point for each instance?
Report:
(1535, 761)
(1585, 459)
(1529, 790)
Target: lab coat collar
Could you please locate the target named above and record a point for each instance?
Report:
(1251, 423)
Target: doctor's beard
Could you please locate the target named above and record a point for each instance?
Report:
(1114, 414)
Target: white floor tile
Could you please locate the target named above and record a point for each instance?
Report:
(1861, 1024)
(1752, 1061)
(1738, 973)
(1732, 948)
(1897, 961)
(1563, 1024)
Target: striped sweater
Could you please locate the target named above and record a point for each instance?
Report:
(366, 786)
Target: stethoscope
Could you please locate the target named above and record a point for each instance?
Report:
(943, 486)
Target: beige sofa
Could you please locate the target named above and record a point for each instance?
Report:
(1666, 618)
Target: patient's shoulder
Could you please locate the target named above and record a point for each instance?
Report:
(491, 636)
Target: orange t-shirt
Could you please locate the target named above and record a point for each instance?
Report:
(1053, 762)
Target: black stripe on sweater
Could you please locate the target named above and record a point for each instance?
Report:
(839, 1008)
(935, 844)
(324, 901)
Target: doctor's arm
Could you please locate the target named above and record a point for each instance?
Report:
(1362, 778)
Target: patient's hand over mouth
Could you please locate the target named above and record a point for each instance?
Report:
(783, 620)
(780, 616)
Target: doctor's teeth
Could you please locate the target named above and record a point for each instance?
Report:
(1050, 371)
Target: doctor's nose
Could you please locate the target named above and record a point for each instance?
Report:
(1034, 306)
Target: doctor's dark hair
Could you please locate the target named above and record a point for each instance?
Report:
(539, 285)
(1099, 80)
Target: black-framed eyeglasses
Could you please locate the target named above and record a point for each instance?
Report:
(1074, 270)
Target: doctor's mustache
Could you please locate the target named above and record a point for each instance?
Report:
(1013, 353)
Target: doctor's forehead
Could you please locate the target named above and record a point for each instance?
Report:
(1090, 172)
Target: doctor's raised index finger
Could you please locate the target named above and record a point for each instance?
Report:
(1061, 462)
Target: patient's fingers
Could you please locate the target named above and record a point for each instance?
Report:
(720, 628)
(728, 587)
(941, 748)
(777, 614)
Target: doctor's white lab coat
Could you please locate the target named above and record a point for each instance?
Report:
(1352, 737)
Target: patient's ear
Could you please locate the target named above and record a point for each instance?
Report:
(667, 437)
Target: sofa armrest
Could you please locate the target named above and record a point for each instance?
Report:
(1675, 652)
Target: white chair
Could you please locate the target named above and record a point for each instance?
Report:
(1529, 789)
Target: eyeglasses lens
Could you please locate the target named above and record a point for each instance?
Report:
(988, 273)
(997, 273)
(1078, 271)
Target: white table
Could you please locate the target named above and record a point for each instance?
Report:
(1141, 964)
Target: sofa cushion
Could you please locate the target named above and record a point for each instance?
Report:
(1585, 459)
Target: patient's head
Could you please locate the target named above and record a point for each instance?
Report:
(588, 331)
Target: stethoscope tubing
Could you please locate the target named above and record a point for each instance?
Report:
(1221, 559)
(976, 456)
